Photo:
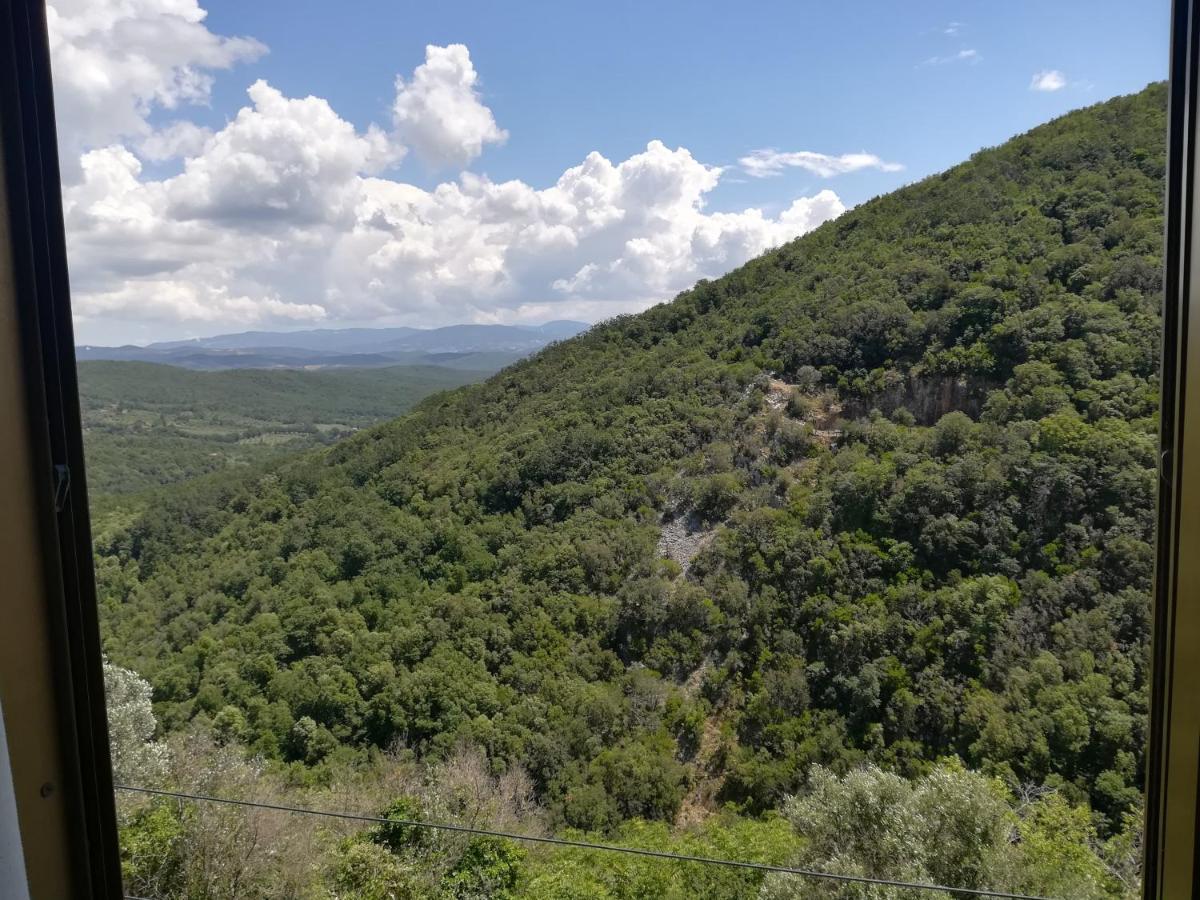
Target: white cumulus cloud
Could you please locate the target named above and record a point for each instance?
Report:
(244, 236)
(116, 60)
(768, 162)
(178, 139)
(279, 160)
(290, 213)
(439, 111)
(1048, 80)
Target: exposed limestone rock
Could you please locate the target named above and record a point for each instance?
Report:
(682, 538)
(927, 397)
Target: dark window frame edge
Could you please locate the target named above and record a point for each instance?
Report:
(48, 360)
(1163, 862)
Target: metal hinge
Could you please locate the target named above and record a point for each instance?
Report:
(62, 486)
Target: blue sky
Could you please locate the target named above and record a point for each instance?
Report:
(718, 78)
(917, 86)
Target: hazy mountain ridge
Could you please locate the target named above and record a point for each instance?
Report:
(480, 347)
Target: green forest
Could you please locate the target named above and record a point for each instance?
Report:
(865, 523)
(147, 424)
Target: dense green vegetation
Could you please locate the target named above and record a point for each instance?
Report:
(950, 826)
(903, 468)
(148, 424)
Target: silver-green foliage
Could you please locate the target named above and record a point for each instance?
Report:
(951, 827)
(137, 759)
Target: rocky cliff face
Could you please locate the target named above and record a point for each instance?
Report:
(927, 397)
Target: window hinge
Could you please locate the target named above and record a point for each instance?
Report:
(62, 486)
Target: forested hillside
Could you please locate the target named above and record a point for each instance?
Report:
(148, 424)
(883, 495)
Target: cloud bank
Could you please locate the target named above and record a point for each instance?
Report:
(290, 213)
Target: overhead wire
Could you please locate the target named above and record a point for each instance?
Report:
(586, 845)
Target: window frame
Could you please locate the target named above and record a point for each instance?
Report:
(36, 232)
(1173, 759)
(89, 849)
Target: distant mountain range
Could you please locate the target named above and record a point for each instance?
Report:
(472, 347)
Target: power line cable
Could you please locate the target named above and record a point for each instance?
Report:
(584, 845)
